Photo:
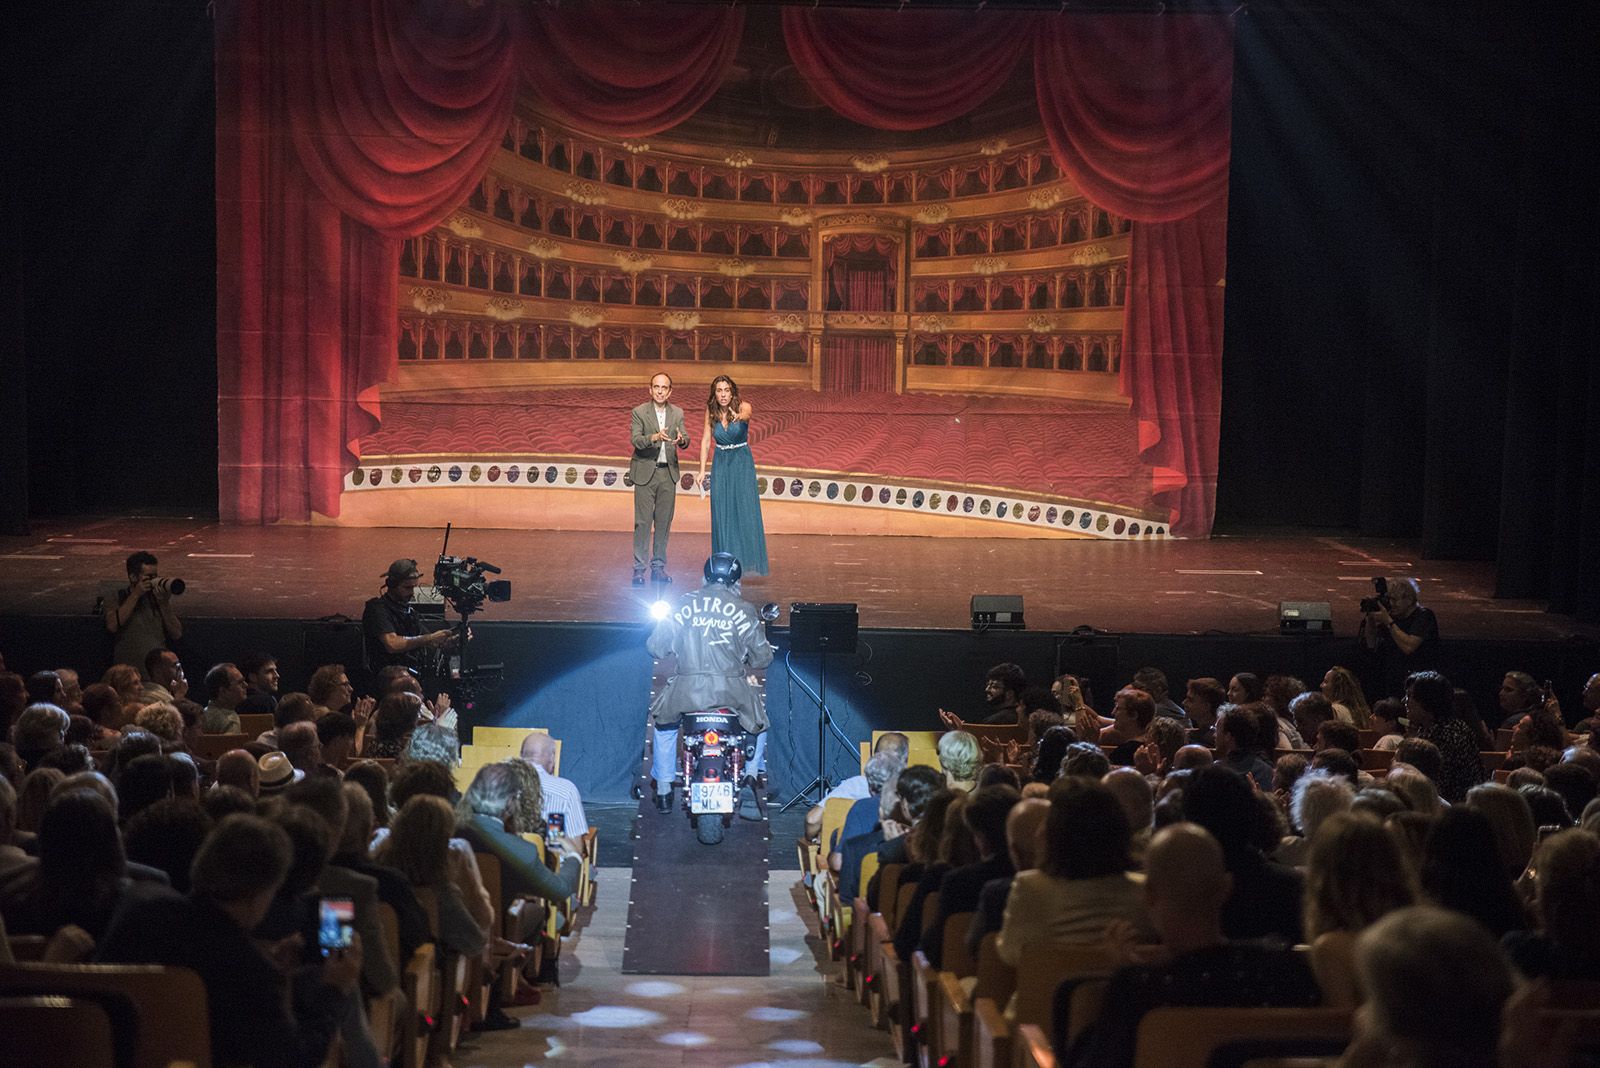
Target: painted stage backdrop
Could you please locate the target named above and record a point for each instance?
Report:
(967, 267)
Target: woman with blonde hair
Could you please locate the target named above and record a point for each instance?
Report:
(1342, 689)
(1355, 875)
(960, 756)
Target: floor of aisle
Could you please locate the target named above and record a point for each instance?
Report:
(797, 1017)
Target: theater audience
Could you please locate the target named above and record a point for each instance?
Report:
(1435, 985)
(491, 817)
(1241, 741)
(1430, 704)
(261, 679)
(1153, 681)
(1510, 823)
(236, 877)
(1386, 716)
(225, 690)
(1462, 871)
(167, 836)
(81, 877)
(395, 720)
(1132, 712)
(1049, 753)
(1356, 873)
(1083, 882)
(1316, 796)
(959, 759)
(1025, 848)
(1071, 692)
(1343, 691)
(1185, 887)
(539, 750)
(984, 818)
(944, 846)
(1265, 901)
(1201, 700)
(418, 846)
(1566, 944)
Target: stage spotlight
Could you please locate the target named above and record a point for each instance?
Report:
(660, 610)
(991, 611)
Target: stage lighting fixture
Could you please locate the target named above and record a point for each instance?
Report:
(1305, 617)
(997, 611)
(660, 610)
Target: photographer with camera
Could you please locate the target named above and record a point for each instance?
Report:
(143, 619)
(392, 630)
(1398, 632)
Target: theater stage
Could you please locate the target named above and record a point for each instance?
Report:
(1229, 585)
(571, 639)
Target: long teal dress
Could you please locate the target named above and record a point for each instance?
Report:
(735, 501)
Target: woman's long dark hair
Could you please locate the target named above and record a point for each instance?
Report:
(714, 409)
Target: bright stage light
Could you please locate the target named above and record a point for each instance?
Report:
(660, 610)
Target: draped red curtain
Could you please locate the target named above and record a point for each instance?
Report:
(345, 126)
(1137, 110)
(857, 364)
(904, 70)
(628, 69)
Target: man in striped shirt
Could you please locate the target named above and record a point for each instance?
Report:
(560, 795)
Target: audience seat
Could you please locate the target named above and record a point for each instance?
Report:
(1375, 759)
(1040, 970)
(211, 746)
(994, 980)
(169, 1004)
(255, 724)
(1190, 1037)
(419, 981)
(58, 1032)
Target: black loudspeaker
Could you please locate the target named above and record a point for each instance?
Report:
(1305, 617)
(822, 628)
(997, 611)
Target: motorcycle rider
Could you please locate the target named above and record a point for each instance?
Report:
(719, 640)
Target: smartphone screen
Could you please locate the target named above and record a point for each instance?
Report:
(555, 827)
(335, 924)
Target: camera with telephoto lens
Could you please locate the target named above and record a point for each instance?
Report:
(1380, 585)
(460, 581)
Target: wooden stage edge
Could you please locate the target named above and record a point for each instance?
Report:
(1229, 584)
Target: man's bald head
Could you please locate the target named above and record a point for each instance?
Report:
(1191, 756)
(1133, 794)
(1184, 873)
(1025, 831)
(238, 768)
(539, 748)
(894, 744)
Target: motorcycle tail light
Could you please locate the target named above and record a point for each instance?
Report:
(712, 738)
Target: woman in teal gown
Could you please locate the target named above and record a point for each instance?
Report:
(735, 500)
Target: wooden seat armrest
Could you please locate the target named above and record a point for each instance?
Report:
(1033, 1048)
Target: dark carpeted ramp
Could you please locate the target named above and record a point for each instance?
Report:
(695, 909)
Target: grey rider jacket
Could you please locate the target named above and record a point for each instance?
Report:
(719, 639)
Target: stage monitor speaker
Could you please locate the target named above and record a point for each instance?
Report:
(997, 611)
(1305, 617)
(822, 628)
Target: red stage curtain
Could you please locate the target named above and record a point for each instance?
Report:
(855, 364)
(322, 164)
(628, 69)
(904, 70)
(861, 271)
(1137, 109)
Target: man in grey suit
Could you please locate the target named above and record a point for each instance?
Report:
(658, 433)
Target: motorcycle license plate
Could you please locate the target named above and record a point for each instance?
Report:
(709, 797)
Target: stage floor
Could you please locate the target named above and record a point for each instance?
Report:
(1226, 584)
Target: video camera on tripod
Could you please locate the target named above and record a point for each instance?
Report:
(460, 581)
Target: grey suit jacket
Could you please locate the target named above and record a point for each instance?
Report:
(643, 464)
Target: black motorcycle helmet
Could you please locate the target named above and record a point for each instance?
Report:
(723, 568)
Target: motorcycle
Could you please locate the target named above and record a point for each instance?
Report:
(713, 752)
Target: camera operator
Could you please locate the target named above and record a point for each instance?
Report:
(142, 619)
(1400, 633)
(392, 630)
